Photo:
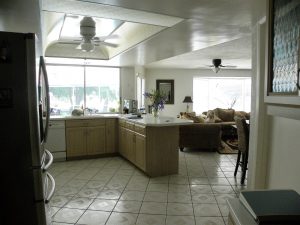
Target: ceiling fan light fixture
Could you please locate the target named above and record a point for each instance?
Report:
(87, 46)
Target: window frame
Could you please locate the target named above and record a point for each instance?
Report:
(84, 82)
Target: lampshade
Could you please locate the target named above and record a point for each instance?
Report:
(187, 99)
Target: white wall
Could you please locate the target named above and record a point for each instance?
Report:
(284, 154)
(274, 161)
(127, 79)
(21, 16)
(183, 84)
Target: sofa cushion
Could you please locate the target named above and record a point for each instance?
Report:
(225, 115)
(242, 114)
(192, 116)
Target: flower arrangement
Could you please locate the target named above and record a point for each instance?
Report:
(157, 99)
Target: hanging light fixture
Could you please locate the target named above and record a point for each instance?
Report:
(216, 65)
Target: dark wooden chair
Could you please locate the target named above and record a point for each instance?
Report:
(243, 146)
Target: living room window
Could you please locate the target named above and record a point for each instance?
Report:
(229, 92)
(76, 86)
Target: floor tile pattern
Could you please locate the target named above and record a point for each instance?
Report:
(112, 191)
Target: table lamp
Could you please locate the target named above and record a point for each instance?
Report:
(187, 100)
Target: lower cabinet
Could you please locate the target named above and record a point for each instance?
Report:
(85, 137)
(111, 135)
(75, 141)
(132, 145)
(140, 151)
(95, 140)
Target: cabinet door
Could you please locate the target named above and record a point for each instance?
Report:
(95, 142)
(122, 141)
(111, 136)
(130, 146)
(140, 151)
(76, 141)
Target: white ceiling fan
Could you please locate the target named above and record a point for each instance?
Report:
(88, 41)
(217, 65)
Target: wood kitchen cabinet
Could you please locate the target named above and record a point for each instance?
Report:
(153, 149)
(111, 135)
(75, 141)
(140, 151)
(95, 140)
(132, 144)
(85, 137)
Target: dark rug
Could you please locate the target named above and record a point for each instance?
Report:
(226, 149)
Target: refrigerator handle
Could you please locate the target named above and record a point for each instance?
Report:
(50, 156)
(51, 193)
(43, 67)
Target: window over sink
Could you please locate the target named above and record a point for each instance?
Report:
(81, 86)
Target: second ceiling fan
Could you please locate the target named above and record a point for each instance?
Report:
(217, 65)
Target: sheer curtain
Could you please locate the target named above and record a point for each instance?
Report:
(229, 92)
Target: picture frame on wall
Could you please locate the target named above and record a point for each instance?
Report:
(283, 52)
(166, 87)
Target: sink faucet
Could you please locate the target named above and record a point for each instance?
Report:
(87, 111)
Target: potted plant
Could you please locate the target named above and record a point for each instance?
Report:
(157, 100)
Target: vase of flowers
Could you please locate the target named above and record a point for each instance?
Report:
(157, 100)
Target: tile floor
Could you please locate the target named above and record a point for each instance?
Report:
(111, 191)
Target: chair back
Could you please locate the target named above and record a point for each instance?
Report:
(243, 134)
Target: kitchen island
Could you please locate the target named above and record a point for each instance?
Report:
(149, 143)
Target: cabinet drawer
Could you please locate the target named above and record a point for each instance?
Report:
(140, 129)
(130, 126)
(85, 123)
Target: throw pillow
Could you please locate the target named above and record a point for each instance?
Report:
(226, 115)
(212, 118)
(192, 116)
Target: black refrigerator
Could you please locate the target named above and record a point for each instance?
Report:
(26, 184)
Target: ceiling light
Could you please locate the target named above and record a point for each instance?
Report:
(216, 65)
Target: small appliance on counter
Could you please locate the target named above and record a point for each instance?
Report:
(129, 106)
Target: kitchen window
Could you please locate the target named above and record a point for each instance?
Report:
(92, 87)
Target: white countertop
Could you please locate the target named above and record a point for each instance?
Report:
(146, 120)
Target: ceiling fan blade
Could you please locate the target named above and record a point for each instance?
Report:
(74, 41)
(230, 66)
(102, 38)
(73, 16)
(67, 43)
(109, 44)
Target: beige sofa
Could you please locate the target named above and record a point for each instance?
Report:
(208, 133)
